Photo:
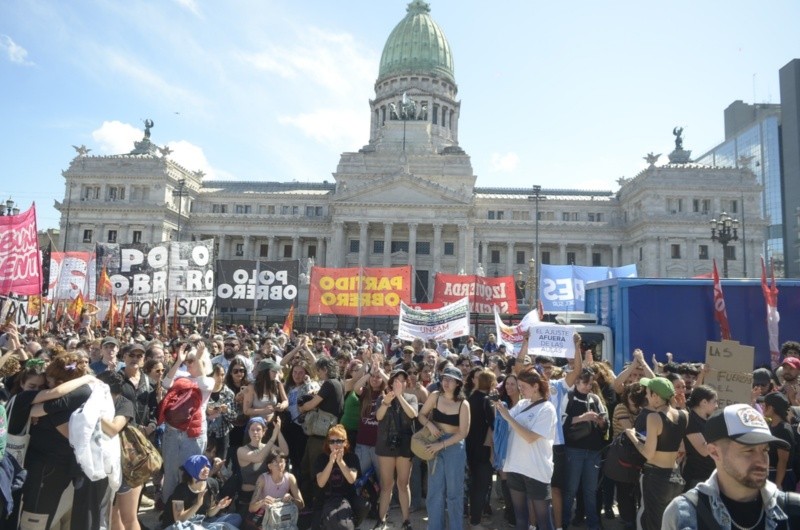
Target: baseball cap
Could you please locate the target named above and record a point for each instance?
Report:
(762, 376)
(110, 340)
(777, 401)
(740, 423)
(792, 362)
(660, 386)
(268, 364)
(453, 373)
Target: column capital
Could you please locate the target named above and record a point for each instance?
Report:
(462, 227)
(438, 225)
(339, 225)
(413, 226)
(363, 225)
(510, 244)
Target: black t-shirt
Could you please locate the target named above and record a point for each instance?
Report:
(46, 441)
(183, 493)
(332, 394)
(784, 432)
(124, 407)
(697, 467)
(746, 514)
(139, 396)
(20, 411)
(481, 420)
(337, 485)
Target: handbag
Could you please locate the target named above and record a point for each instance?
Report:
(318, 422)
(623, 461)
(420, 442)
(280, 516)
(574, 432)
(17, 444)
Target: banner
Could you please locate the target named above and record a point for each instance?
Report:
(730, 371)
(244, 283)
(773, 317)
(180, 272)
(562, 287)
(450, 322)
(720, 312)
(483, 293)
(552, 340)
(71, 273)
(20, 265)
(15, 309)
(359, 292)
(511, 336)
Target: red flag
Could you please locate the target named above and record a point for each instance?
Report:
(112, 313)
(20, 262)
(75, 307)
(104, 283)
(773, 318)
(123, 315)
(720, 313)
(288, 324)
(34, 305)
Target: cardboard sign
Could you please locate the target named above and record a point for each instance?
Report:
(730, 371)
(551, 340)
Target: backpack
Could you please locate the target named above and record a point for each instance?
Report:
(181, 407)
(140, 459)
(623, 461)
(280, 516)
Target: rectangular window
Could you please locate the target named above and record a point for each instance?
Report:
(696, 205)
(570, 258)
(573, 216)
(355, 245)
(87, 236)
(312, 251)
(399, 246)
(285, 210)
(702, 252)
(675, 251)
(116, 193)
(641, 253)
(112, 236)
(219, 208)
(295, 210)
(423, 248)
(705, 207)
(596, 259)
(137, 236)
(491, 215)
(590, 217)
(495, 256)
(521, 215)
(500, 215)
(263, 250)
(377, 246)
(450, 249)
(565, 216)
(520, 257)
(734, 206)
(239, 249)
(598, 217)
(309, 211)
(319, 211)
(243, 208)
(546, 257)
(287, 251)
(730, 252)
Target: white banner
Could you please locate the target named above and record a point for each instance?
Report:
(449, 322)
(551, 340)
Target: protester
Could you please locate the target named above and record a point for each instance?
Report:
(266, 395)
(738, 494)
(275, 486)
(632, 401)
(479, 453)
(196, 495)
(335, 471)
(776, 412)
(698, 465)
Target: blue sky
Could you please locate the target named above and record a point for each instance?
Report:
(561, 94)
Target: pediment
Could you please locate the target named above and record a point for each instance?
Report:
(400, 189)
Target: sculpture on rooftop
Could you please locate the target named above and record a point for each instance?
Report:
(651, 158)
(677, 132)
(82, 150)
(148, 124)
(164, 150)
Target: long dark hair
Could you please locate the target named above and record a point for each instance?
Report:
(699, 393)
(237, 361)
(264, 386)
(368, 396)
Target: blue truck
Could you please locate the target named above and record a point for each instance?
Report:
(661, 315)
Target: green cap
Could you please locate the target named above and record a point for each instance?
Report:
(660, 386)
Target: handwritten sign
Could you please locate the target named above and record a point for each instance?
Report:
(448, 322)
(551, 340)
(730, 371)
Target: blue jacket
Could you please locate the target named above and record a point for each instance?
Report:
(681, 514)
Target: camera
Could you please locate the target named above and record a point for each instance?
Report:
(493, 397)
(394, 441)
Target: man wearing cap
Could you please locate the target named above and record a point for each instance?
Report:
(109, 349)
(738, 494)
(776, 412)
(762, 385)
(788, 372)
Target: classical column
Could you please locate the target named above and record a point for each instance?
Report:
(296, 247)
(363, 227)
(562, 254)
(246, 247)
(509, 258)
(387, 244)
(470, 249)
(437, 248)
(462, 248)
(272, 248)
(222, 241)
(483, 254)
(320, 258)
(588, 254)
(412, 245)
(338, 244)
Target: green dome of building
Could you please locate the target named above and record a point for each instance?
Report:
(417, 45)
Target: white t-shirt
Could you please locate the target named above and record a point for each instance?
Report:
(534, 460)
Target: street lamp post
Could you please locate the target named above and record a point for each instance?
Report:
(724, 230)
(528, 285)
(179, 193)
(10, 208)
(534, 262)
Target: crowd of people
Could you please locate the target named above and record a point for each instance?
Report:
(254, 428)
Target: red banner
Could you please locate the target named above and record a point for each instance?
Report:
(20, 264)
(720, 313)
(70, 274)
(354, 291)
(773, 318)
(484, 293)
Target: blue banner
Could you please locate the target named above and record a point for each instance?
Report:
(563, 287)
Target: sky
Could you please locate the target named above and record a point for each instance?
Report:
(559, 94)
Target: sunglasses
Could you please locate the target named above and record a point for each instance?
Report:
(159, 371)
(231, 344)
(137, 356)
(238, 371)
(335, 442)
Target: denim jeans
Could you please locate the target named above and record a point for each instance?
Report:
(415, 483)
(446, 487)
(583, 468)
(176, 448)
(367, 458)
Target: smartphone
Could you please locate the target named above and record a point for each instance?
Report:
(493, 397)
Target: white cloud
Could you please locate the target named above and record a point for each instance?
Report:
(16, 53)
(191, 157)
(504, 163)
(190, 5)
(115, 137)
(339, 128)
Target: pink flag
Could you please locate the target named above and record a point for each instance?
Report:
(20, 263)
(773, 318)
(720, 313)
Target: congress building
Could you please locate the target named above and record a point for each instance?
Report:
(408, 196)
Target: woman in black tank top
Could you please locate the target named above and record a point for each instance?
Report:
(661, 480)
